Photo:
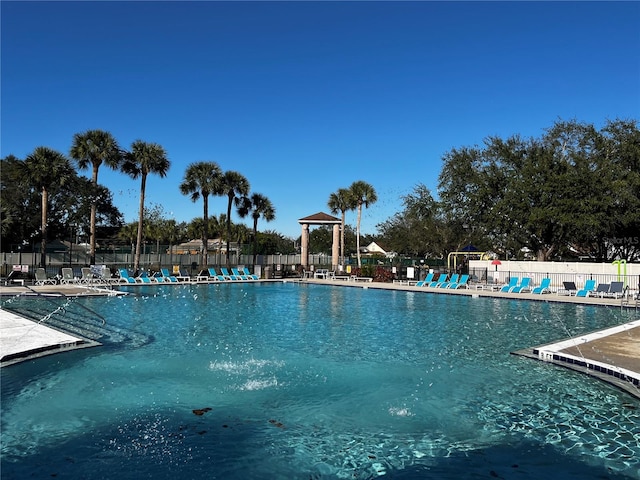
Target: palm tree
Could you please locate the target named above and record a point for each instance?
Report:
(95, 147)
(171, 231)
(202, 179)
(143, 159)
(129, 233)
(340, 201)
(235, 186)
(46, 169)
(258, 206)
(362, 193)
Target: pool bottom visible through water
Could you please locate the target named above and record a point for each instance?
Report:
(288, 380)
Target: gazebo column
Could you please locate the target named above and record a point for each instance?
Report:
(335, 248)
(304, 246)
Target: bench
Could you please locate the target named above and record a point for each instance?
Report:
(321, 273)
(409, 283)
(361, 279)
(344, 278)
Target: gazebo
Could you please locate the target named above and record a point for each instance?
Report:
(319, 218)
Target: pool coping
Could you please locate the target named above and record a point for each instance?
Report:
(611, 355)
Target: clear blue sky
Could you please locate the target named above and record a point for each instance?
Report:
(304, 98)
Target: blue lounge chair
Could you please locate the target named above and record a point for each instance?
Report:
(158, 278)
(125, 277)
(442, 278)
(143, 277)
(544, 287)
(427, 280)
(241, 276)
(216, 275)
(513, 282)
(462, 283)
(522, 287)
(228, 275)
(167, 276)
(589, 288)
(454, 279)
(251, 276)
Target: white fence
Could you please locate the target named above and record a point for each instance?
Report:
(559, 271)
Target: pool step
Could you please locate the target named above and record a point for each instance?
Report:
(78, 322)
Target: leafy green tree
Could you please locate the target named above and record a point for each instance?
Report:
(240, 234)
(417, 229)
(19, 202)
(553, 195)
(72, 207)
(128, 233)
(95, 147)
(620, 149)
(144, 158)
(46, 168)
(69, 205)
(234, 186)
(362, 194)
(341, 201)
(258, 206)
(195, 228)
(202, 179)
(321, 240)
(273, 243)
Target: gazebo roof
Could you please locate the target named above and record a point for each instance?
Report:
(320, 218)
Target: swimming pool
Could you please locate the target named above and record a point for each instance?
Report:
(290, 380)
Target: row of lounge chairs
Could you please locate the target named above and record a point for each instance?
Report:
(67, 277)
(211, 275)
(517, 285)
(524, 285)
(90, 277)
(603, 290)
(443, 281)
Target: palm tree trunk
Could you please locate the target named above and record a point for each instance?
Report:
(342, 240)
(92, 220)
(205, 233)
(255, 240)
(136, 263)
(43, 243)
(358, 234)
(229, 231)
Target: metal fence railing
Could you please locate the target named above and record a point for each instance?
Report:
(288, 265)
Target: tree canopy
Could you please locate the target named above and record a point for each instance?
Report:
(575, 190)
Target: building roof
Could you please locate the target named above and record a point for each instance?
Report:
(319, 218)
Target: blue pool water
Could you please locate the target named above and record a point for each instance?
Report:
(297, 381)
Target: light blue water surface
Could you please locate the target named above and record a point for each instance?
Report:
(298, 381)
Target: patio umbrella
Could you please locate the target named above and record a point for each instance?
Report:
(496, 262)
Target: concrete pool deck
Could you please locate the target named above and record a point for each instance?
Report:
(22, 339)
(612, 354)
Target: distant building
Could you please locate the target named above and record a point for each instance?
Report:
(374, 249)
(194, 247)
